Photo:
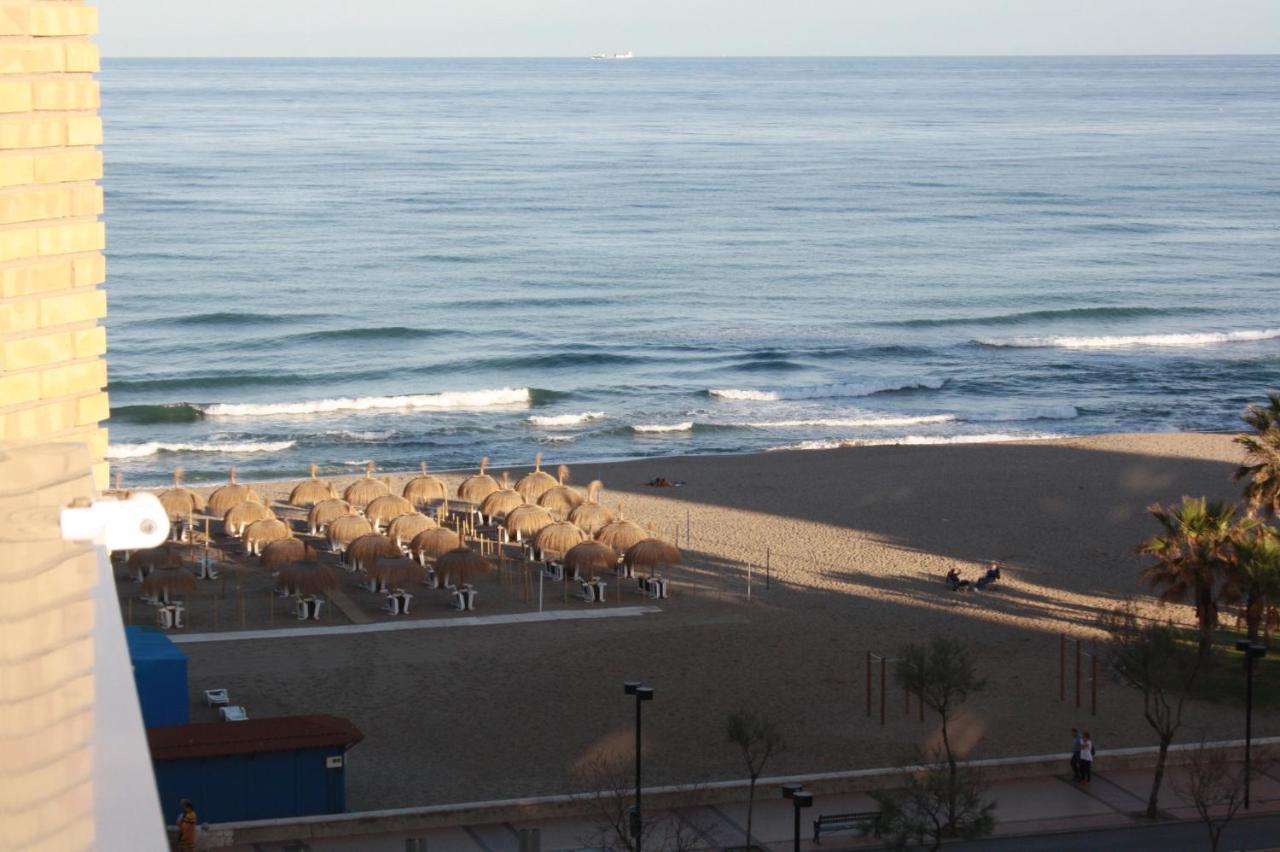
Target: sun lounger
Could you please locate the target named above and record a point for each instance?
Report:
(216, 698)
(233, 713)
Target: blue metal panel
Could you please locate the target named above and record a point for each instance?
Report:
(160, 675)
(266, 785)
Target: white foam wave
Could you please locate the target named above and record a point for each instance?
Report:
(1044, 412)
(357, 435)
(151, 448)
(1132, 341)
(565, 419)
(866, 388)
(557, 439)
(852, 422)
(920, 440)
(414, 402)
(657, 428)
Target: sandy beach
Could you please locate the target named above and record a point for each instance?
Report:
(856, 542)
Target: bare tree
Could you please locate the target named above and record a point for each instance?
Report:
(605, 778)
(938, 802)
(1150, 658)
(1214, 784)
(942, 674)
(758, 738)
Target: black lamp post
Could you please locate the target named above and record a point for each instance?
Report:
(642, 693)
(799, 799)
(1252, 651)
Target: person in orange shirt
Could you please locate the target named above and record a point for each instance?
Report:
(187, 827)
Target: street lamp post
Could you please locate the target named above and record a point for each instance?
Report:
(1252, 651)
(642, 693)
(799, 799)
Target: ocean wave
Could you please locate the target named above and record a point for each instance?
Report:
(565, 419)
(920, 440)
(176, 412)
(151, 448)
(1043, 412)
(359, 435)
(415, 402)
(557, 439)
(1131, 341)
(852, 422)
(1023, 317)
(375, 333)
(867, 388)
(237, 318)
(659, 428)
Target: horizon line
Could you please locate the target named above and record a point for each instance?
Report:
(709, 56)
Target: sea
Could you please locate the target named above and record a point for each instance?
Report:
(335, 261)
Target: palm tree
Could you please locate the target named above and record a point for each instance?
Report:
(1255, 570)
(1262, 457)
(1192, 557)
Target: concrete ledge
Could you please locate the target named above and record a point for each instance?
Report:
(409, 820)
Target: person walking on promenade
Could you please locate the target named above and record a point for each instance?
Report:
(1086, 759)
(187, 827)
(1076, 742)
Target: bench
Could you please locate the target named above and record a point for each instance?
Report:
(863, 821)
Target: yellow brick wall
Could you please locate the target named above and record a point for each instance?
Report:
(52, 369)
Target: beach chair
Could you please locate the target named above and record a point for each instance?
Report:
(469, 597)
(233, 713)
(164, 617)
(216, 698)
(301, 610)
(179, 611)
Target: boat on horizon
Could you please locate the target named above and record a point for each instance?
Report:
(627, 55)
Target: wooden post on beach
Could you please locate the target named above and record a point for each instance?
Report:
(767, 574)
(1062, 667)
(1077, 641)
(868, 683)
(688, 527)
(883, 667)
(748, 582)
(1093, 680)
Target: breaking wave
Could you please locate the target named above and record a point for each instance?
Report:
(1133, 341)
(827, 391)
(414, 402)
(658, 428)
(565, 419)
(151, 448)
(919, 440)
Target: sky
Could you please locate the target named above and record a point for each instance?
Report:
(655, 28)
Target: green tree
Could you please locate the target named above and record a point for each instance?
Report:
(1262, 457)
(942, 674)
(936, 803)
(758, 738)
(1192, 557)
(1254, 572)
(1149, 657)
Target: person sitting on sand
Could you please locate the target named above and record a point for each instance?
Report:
(663, 482)
(993, 574)
(953, 579)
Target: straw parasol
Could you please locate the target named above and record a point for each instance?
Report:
(381, 510)
(621, 533)
(311, 491)
(561, 498)
(650, 553)
(362, 552)
(421, 490)
(462, 563)
(230, 494)
(402, 530)
(525, 521)
(342, 531)
(532, 485)
(241, 515)
(475, 488)
(179, 502)
(362, 491)
(558, 537)
(169, 580)
(431, 544)
(308, 578)
(394, 572)
(590, 515)
(285, 551)
(497, 504)
(326, 512)
(261, 533)
(152, 559)
(588, 558)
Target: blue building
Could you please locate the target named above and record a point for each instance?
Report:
(160, 674)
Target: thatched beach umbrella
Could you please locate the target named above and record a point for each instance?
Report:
(525, 521)
(421, 490)
(650, 553)
(309, 492)
(342, 531)
(561, 499)
(167, 581)
(405, 528)
(326, 512)
(497, 504)
(153, 559)
(239, 516)
(589, 558)
(363, 491)
(228, 495)
(429, 545)
(179, 502)
(461, 564)
(621, 534)
(308, 578)
(532, 485)
(382, 510)
(558, 537)
(394, 572)
(285, 551)
(362, 552)
(590, 515)
(475, 488)
(261, 533)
